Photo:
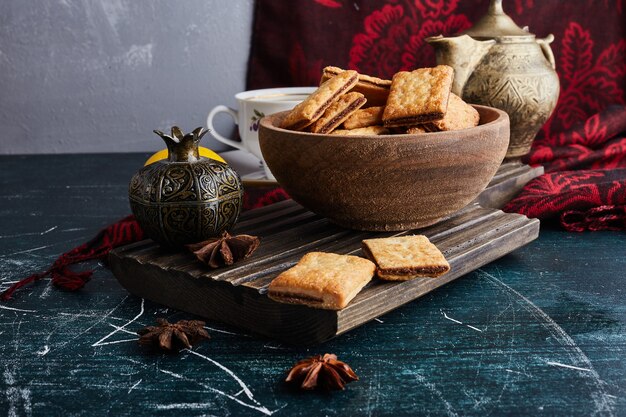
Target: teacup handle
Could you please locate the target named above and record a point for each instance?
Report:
(209, 121)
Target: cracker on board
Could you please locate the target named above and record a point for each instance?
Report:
(405, 257)
(322, 280)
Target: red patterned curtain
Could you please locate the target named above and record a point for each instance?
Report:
(293, 41)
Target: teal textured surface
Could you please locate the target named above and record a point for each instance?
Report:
(541, 331)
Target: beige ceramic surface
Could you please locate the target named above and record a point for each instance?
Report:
(395, 182)
(499, 64)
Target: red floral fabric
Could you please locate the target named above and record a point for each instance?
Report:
(585, 137)
(262, 196)
(585, 181)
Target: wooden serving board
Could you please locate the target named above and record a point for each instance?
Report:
(236, 295)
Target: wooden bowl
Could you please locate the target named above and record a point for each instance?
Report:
(386, 183)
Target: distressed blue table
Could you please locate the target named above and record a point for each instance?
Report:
(541, 331)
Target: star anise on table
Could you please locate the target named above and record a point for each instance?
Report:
(321, 371)
(166, 335)
(224, 250)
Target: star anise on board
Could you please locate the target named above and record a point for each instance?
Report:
(166, 335)
(224, 250)
(321, 371)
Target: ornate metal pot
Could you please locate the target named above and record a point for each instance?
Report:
(499, 64)
(186, 198)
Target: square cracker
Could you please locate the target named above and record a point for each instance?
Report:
(459, 115)
(371, 116)
(312, 108)
(362, 131)
(375, 90)
(418, 96)
(416, 130)
(322, 280)
(405, 257)
(339, 111)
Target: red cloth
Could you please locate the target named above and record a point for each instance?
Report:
(117, 234)
(585, 181)
(586, 135)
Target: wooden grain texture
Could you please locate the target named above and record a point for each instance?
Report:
(507, 183)
(236, 295)
(386, 182)
(540, 331)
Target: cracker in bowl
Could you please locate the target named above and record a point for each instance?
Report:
(418, 96)
(314, 106)
(339, 111)
(375, 90)
(459, 115)
(370, 116)
(362, 131)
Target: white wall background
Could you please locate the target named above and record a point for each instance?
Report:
(100, 75)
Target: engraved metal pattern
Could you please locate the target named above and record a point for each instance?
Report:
(185, 202)
(178, 183)
(516, 78)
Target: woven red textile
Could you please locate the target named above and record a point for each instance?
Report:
(293, 41)
(117, 234)
(585, 181)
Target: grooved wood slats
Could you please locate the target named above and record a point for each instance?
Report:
(236, 295)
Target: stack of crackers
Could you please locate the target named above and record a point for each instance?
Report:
(330, 281)
(349, 103)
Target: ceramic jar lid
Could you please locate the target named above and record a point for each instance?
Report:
(496, 24)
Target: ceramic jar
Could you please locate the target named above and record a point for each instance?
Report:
(501, 65)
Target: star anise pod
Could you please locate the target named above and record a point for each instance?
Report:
(224, 250)
(321, 371)
(166, 335)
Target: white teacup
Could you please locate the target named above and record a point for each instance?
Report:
(253, 105)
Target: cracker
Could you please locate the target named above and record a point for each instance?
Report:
(371, 116)
(312, 108)
(418, 96)
(416, 130)
(339, 111)
(405, 257)
(429, 127)
(459, 115)
(362, 131)
(322, 280)
(375, 90)
(400, 130)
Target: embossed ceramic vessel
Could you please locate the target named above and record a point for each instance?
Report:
(186, 198)
(501, 65)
